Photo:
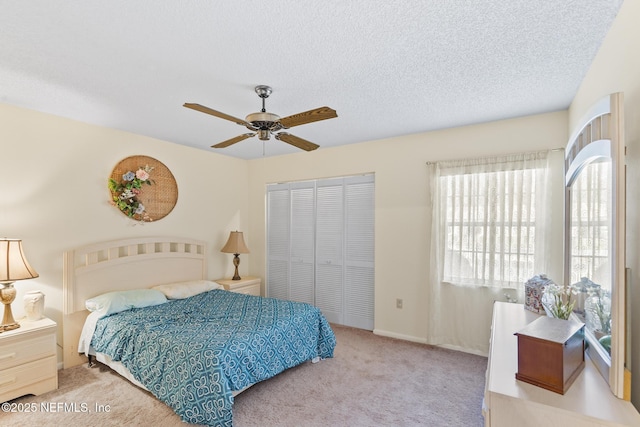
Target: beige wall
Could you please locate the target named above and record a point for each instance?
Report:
(402, 206)
(616, 68)
(54, 196)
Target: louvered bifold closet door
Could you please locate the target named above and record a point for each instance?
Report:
(330, 248)
(359, 252)
(278, 245)
(320, 246)
(302, 241)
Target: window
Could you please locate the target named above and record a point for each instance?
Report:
(590, 223)
(489, 219)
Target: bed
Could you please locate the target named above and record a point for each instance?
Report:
(196, 352)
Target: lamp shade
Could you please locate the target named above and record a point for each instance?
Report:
(235, 244)
(13, 264)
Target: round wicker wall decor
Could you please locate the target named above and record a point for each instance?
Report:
(143, 188)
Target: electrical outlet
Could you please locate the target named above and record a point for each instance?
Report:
(398, 303)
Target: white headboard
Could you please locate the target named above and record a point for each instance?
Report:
(122, 265)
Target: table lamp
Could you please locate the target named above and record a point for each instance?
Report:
(13, 266)
(235, 245)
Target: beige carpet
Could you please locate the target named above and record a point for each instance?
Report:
(371, 381)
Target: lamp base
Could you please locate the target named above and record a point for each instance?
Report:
(236, 263)
(7, 296)
(10, 327)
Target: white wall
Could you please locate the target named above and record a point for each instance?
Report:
(54, 196)
(402, 207)
(616, 68)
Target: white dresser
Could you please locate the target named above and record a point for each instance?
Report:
(509, 402)
(247, 285)
(28, 361)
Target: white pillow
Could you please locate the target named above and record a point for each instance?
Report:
(188, 289)
(115, 302)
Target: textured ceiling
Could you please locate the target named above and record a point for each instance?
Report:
(388, 68)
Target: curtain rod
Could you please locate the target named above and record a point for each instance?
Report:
(552, 149)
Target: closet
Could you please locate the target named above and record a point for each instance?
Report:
(320, 246)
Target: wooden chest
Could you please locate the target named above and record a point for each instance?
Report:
(550, 353)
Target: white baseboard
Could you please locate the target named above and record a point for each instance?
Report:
(464, 350)
(424, 341)
(399, 336)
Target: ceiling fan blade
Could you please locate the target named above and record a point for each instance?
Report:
(208, 110)
(296, 141)
(232, 141)
(310, 116)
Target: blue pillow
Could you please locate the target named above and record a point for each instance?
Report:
(115, 302)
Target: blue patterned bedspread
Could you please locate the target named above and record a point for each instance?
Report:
(193, 353)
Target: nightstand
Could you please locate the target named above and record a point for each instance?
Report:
(247, 285)
(28, 361)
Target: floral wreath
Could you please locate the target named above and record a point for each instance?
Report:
(125, 193)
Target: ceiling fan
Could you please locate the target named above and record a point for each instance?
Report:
(265, 124)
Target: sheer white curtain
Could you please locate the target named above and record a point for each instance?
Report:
(490, 227)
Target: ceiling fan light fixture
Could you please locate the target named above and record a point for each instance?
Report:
(264, 121)
(265, 124)
(262, 117)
